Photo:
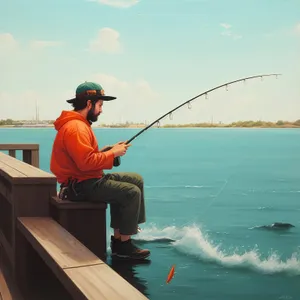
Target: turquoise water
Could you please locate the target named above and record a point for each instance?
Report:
(207, 193)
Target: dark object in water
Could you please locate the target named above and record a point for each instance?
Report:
(278, 225)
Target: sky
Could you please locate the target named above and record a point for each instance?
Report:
(152, 55)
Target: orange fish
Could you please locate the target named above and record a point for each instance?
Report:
(171, 274)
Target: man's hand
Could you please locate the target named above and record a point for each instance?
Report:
(108, 147)
(120, 148)
(119, 143)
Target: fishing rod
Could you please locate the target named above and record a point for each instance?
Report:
(202, 94)
(117, 160)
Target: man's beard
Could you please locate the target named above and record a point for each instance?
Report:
(91, 116)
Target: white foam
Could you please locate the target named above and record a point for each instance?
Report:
(190, 240)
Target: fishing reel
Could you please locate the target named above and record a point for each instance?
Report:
(117, 160)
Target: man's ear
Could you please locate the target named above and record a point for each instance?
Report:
(89, 104)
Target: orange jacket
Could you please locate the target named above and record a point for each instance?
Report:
(75, 152)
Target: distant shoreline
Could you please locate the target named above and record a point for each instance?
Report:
(9, 123)
(164, 126)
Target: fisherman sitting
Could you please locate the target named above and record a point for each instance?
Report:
(78, 165)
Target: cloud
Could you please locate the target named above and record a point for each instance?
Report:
(41, 44)
(124, 89)
(227, 32)
(135, 99)
(7, 42)
(225, 25)
(25, 99)
(117, 3)
(50, 103)
(106, 41)
(9, 45)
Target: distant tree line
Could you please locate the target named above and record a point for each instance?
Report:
(262, 124)
(122, 125)
(9, 122)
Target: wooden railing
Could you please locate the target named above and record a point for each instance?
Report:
(47, 255)
(24, 192)
(30, 152)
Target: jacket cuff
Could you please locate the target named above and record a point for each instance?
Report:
(109, 162)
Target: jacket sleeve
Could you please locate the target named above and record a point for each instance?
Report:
(77, 141)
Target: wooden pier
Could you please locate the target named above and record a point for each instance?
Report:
(51, 249)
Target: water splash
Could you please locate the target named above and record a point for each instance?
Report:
(190, 240)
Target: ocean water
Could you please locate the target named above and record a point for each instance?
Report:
(208, 191)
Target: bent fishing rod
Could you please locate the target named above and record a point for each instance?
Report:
(117, 160)
(202, 94)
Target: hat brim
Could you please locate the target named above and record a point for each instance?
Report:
(104, 98)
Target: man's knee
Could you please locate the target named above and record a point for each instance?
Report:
(138, 178)
(134, 193)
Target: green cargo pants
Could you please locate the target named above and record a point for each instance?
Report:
(125, 194)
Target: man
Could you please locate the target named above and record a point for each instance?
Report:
(78, 165)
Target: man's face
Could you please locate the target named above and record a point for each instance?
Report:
(93, 114)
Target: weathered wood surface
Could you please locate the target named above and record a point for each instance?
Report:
(19, 146)
(30, 152)
(18, 172)
(52, 240)
(24, 191)
(82, 273)
(101, 282)
(84, 220)
(37, 248)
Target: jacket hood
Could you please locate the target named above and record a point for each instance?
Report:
(67, 116)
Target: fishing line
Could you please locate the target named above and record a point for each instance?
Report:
(188, 102)
(117, 160)
(203, 214)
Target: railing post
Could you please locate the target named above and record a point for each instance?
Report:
(12, 152)
(30, 152)
(31, 157)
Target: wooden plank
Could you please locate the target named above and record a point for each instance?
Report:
(101, 282)
(32, 200)
(75, 266)
(19, 146)
(81, 219)
(28, 170)
(9, 170)
(47, 236)
(18, 172)
(4, 291)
